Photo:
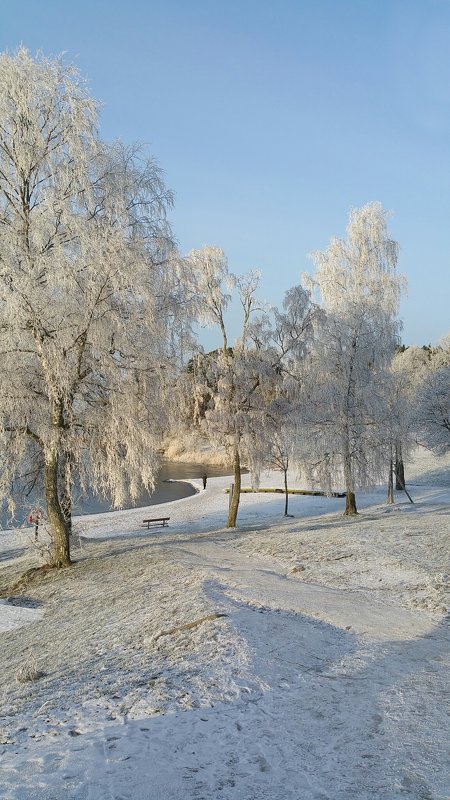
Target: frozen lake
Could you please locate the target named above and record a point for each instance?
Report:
(172, 484)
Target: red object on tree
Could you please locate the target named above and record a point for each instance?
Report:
(30, 518)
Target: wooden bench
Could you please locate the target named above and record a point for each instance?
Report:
(148, 522)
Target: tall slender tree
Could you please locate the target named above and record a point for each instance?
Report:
(408, 368)
(355, 341)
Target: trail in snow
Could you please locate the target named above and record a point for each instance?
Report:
(259, 583)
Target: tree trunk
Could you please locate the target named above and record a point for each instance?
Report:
(390, 496)
(286, 495)
(350, 504)
(58, 525)
(236, 496)
(406, 491)
(66, 491)
(350, 499)
(399, 469)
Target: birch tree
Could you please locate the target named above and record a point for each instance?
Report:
(432, 402)
(355, 339)
(409, 367)
(243, 396)
(226, 418)
(421, 400)
(89, 289)
(432, 413)
(280, 454)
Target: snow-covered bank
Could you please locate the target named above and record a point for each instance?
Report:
(266, 663)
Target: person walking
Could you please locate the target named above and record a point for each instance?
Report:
(34, 517)
(204, 479)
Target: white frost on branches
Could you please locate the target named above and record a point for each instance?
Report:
(242, 394)
(433, 411)
(346, 409)
(91, 291)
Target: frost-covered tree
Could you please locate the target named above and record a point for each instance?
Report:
(432, 415)
(281, 448)
(241, 393)
(88, 296)
(417, 374)
(226, 382)
(286, 338)
(408, 369)
(440, 355)
(347, 400)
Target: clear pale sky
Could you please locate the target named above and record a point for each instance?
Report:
(273, 118)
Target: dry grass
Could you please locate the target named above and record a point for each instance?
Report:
(194, 449)
(29, 672)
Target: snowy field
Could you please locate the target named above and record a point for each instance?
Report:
(292, 659)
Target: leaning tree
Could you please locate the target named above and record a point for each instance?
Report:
(89, 297)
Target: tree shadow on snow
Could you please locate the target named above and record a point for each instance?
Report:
(368, 699)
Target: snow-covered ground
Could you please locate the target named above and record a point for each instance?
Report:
(292, 659)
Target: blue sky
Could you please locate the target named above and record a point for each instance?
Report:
(273, 118)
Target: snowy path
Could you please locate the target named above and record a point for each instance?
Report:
(332, 693)
(258, 582)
